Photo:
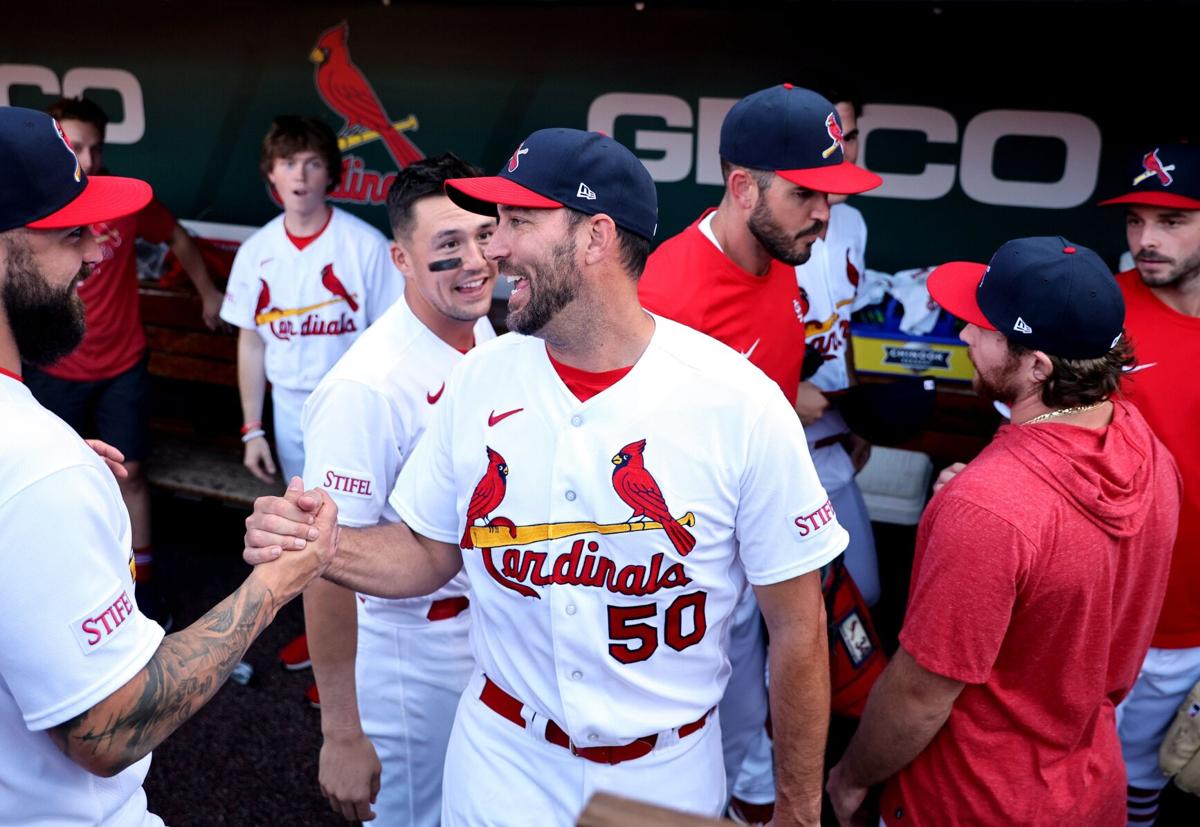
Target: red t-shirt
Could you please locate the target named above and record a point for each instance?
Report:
(1165, 390)
(586, 384)
(115, 340)
(1038, 574)
(689, 280)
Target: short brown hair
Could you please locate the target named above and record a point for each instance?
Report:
(290, 134)
(634, 249)
(79, 109)
(1083, 381)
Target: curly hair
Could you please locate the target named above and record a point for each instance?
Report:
(1076, 382)
(290, 134)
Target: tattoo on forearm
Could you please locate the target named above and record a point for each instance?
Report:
(181, 677)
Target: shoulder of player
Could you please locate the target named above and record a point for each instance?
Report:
(36, 444)
(720, 365)
(384, 348)
(348, 223)
(848, 216)
(266, 236)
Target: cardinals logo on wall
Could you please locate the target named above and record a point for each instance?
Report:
(283, 320)
(584, 564)
(345, 90)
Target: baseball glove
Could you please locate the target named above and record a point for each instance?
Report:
(1179, 755)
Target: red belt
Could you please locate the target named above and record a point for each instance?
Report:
(447, 608)
(506, 706)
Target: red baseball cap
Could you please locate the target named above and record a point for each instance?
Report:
(44, 186)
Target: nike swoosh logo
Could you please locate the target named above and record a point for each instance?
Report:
(1136, 368)
(750, 352)
(493, 418)
(432, 398)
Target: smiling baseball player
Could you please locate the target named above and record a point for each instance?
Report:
(610, 479)
(360, 426)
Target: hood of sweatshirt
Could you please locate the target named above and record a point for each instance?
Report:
(1106, 473)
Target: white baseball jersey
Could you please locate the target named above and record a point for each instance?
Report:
(364, 419)
(828, 284)
(70, 632)
(588, 604)
(309, 305)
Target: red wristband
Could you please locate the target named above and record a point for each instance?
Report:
(251, 426)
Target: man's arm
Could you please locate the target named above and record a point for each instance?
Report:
(185, 249)
(387, 560)
(185, 671)
(799, 653)
(349, 768)
(252, 388)
(905, 710)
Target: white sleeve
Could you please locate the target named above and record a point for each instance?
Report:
(71, 631)
(351, 449)
(425, 496)
(384, 282)
(785, 523)
(241, 292)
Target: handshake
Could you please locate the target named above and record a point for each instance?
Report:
(291, 540)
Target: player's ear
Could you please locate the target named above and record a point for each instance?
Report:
(601, 241)
(400, 258)
(742, 188)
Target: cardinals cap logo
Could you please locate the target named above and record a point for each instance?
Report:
(835, 134)
(515, 160)
(1153, 166)
(62, 137)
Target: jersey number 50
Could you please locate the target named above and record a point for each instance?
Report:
(644, 636)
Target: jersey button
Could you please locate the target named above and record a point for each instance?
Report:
(576, 675)
(577, 420)
(570, 495)
(570, 609)
(593, 736)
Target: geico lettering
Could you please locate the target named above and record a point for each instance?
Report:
(128, 130)
(691, 137)
(578, 567)
(817, 520)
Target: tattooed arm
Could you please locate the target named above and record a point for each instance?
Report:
(187, 669)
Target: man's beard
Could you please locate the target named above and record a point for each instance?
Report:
(550, 290)
(999, 386)
(1177, 276)
(778, 244)
(46, 323)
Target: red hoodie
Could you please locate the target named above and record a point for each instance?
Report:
(1038, 578)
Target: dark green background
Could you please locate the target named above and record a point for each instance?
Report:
(482, 76)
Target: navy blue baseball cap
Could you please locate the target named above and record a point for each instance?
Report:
(1167, 175)
(797, 134)
(1044, 293)
(552, 168)
(44, 186)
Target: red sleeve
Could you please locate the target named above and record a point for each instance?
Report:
(969, 566)
(155, 223)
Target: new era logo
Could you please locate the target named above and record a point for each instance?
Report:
(1021, 327)
(585, 192)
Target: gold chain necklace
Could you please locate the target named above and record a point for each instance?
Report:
(1063, 412)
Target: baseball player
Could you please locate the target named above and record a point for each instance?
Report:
(732, 275)
(88, 684)
(301, 289)
(1039, 568)
(360, 426)
(103, 387)
(610, 479)
(1162, 297)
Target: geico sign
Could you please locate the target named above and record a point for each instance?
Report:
(695, 136)
(75, 82)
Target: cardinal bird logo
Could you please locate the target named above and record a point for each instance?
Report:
(515, 160)
(62, 136)
(346, 91)
(488, 493)
(334, 285)
(851, 271)
(264, 299)
(1153, 166)
(638, 490)
(835, 134)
